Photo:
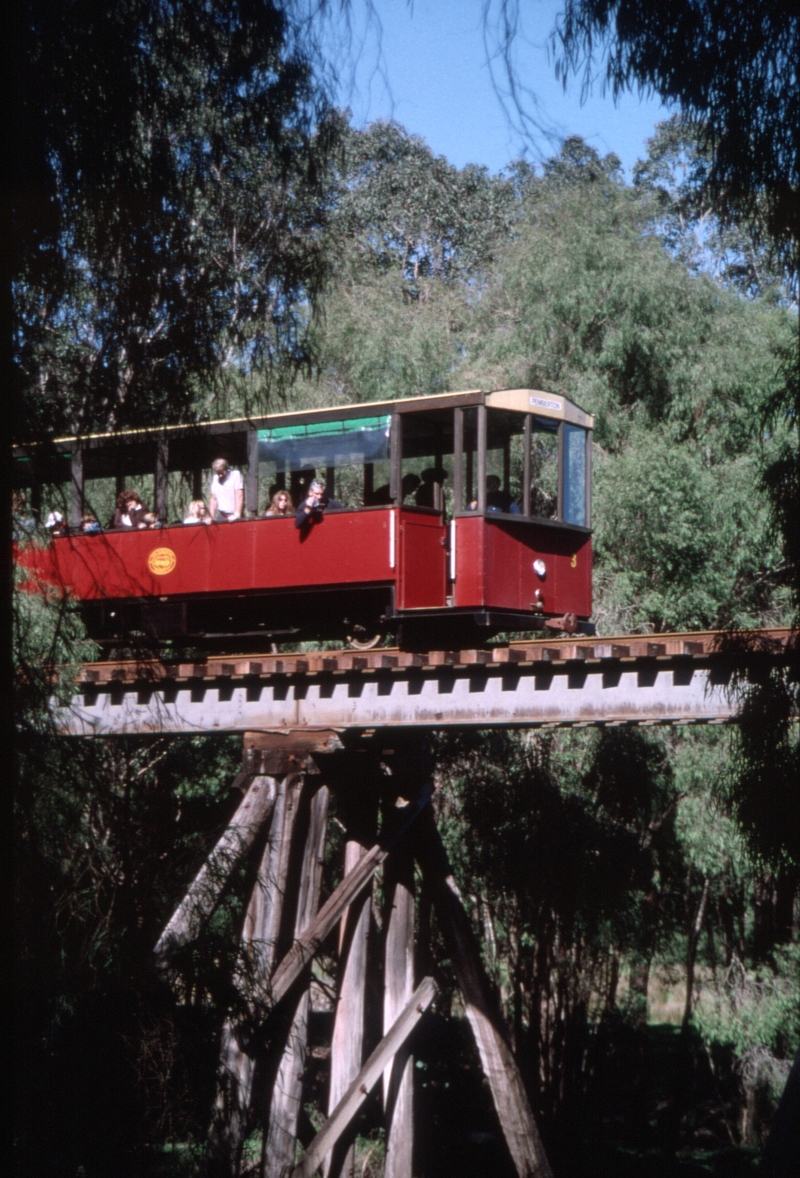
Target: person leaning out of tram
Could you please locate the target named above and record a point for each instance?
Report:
(130, 511)
(315, 503)
(280, 504)
(226, 492)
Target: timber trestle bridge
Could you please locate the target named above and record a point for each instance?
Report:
(355, 725)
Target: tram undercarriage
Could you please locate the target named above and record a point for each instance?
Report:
(361, 617)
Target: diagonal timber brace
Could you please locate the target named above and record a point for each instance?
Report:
(208, 885)
(311, 939)
(366, 1079)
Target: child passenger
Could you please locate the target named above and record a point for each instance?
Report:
(197, 513)
(90, 525)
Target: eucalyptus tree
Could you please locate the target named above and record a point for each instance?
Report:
(411, 238)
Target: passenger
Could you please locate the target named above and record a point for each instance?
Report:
(408, 486)
(426, 494)
(90, 525)
(55, 525)
(22, 521)
(280, 504)
(316, 501)
(226, 493)
(130, 511)
(197, 513)
(497, 499)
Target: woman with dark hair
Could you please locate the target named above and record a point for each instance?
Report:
(130, 511)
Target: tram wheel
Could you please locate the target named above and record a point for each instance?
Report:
(362, 639)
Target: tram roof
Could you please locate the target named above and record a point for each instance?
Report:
(227, 437)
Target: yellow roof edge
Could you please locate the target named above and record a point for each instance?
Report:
(144, 431)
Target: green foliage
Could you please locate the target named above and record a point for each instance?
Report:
(694, 226)
(755, 1013)
(761, 780)
(376, 343)
(680, 543)
(399, 206)
(566, 849)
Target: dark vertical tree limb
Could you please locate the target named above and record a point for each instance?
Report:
(499, 1066)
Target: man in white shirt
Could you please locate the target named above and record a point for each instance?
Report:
(226, 493)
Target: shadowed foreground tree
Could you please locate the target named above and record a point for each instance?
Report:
(731, 68)
(169, 193)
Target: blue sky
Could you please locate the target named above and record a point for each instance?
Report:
(431, 75)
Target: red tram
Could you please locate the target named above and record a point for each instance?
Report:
(458, 516)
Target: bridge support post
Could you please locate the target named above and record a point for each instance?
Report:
(281, 1135)
(259, 940)
(398, 1093)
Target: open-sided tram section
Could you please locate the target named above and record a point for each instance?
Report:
(452, 518)
(646, 679)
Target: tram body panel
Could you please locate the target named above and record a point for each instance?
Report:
(422, 582)
(341, 548)
(495, 566)
(348, 547)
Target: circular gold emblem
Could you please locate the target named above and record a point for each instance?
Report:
(161, 561)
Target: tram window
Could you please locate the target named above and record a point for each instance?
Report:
(469, 461)
(427, 448)
(574, 509)
(348, 456)
(504, 469)
(544, 468)
(505, 460)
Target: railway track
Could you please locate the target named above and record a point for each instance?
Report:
(624, 649)
(690, 678)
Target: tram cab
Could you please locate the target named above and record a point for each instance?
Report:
(453, 518)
